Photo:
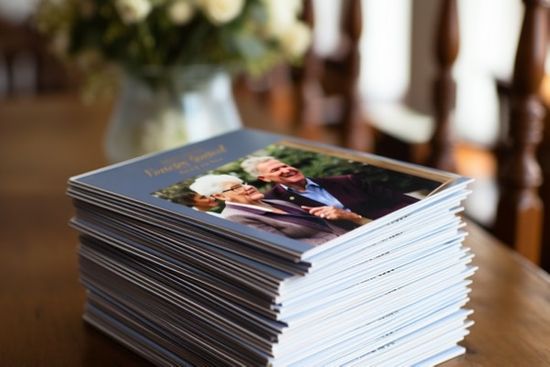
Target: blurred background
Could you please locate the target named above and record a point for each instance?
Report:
(392, 80)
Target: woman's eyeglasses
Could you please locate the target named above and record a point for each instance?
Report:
(236, 188)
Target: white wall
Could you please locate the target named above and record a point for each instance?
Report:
(385, 46)
(489, 34)
(489, 31)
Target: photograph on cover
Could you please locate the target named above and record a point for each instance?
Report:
(300, 192)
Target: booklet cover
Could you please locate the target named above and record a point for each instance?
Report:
(283, 195)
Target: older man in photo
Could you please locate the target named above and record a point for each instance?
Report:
(325, 196)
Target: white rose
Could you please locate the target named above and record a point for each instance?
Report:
(133, 11)
(181, 12)
(296, 39)
(281, 14)
(221, 11)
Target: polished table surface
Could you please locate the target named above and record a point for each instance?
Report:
(45, 140)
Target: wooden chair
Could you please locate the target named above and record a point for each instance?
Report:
(444, 89)
(520, 208)
(327, 86)
(439, 150)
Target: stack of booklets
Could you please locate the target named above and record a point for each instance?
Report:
(258, 249)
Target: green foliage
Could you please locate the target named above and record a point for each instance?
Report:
(158, 41)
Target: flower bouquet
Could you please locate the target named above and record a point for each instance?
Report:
(167, 49)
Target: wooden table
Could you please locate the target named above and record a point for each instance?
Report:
(46, 140)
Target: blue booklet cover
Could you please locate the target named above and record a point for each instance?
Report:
(276, 194)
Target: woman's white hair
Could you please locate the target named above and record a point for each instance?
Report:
(213, 184)
(250, 164)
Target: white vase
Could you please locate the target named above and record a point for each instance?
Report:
(164, 110)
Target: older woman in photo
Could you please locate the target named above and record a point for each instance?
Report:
(246, 205)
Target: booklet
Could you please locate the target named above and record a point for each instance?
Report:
(258, 249)
(264, 196)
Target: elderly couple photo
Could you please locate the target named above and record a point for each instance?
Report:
(291, 204)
